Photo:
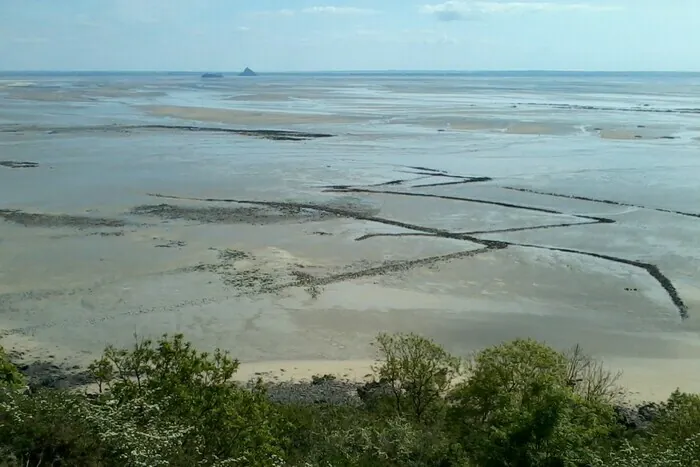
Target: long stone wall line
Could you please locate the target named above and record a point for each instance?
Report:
(602, 201)
(536, 227)
(279, 135)
(652, 269)
(465, 199)
(342, 212)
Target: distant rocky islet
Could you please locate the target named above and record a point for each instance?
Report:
(246, 72)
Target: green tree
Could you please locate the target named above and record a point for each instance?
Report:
(9, 374)
(672, 440)
(417, 371)
(194, 389)
(517, 409)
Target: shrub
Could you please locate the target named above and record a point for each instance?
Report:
(672, 440)
(522, 405)
(516, 409)
(193, 390)
(679, 419)
(353, 437)
(48, 427)
(417, 371)
(9, 374)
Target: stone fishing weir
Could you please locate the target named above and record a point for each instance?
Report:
(488, 245)
(418, 178)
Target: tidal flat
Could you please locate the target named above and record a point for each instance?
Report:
(290, 231)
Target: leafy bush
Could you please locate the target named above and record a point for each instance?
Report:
(10, 377)
(522, 404)
(350, 436)
(62, 428)
(673, 440)
(193, 390)
(516, 409)
(48, 427)
(417, 371)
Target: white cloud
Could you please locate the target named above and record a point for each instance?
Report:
(454, 10)
(339, 10)
(242, 29)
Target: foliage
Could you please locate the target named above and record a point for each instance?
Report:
(9, 374)
(47, 427)
(522, 404)
(516, 409)
(679, 419)
(349, 436)
(194, 390)
(673, 439)
(417, 371)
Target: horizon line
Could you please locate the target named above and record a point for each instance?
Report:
(397, 70)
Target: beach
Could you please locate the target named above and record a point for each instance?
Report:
(470, 209)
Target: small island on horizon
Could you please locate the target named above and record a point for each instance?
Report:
(246, 72)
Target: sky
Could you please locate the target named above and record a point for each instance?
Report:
(309, 35)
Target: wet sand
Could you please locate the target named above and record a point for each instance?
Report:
(314, 281)
(464, 121)
(245, 117)
(293, 247)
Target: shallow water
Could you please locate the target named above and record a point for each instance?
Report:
(623, 146)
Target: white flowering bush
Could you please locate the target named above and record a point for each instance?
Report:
(136, 434)
(656, 453)
(673, 440)
(48, 427)
(325, 436)
(395, 441)
(193, 395)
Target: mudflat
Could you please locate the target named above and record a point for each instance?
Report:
(291, 240)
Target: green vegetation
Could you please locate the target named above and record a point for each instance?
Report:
(10, 376)
(519, 404)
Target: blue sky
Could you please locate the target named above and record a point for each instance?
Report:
(296, 35)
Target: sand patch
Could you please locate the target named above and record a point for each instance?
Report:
(261, 98)
(620, 134)
(505, 126)
(475, 125)
(243, 117)
(641, 132)
(524, 128)
(47, 96)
